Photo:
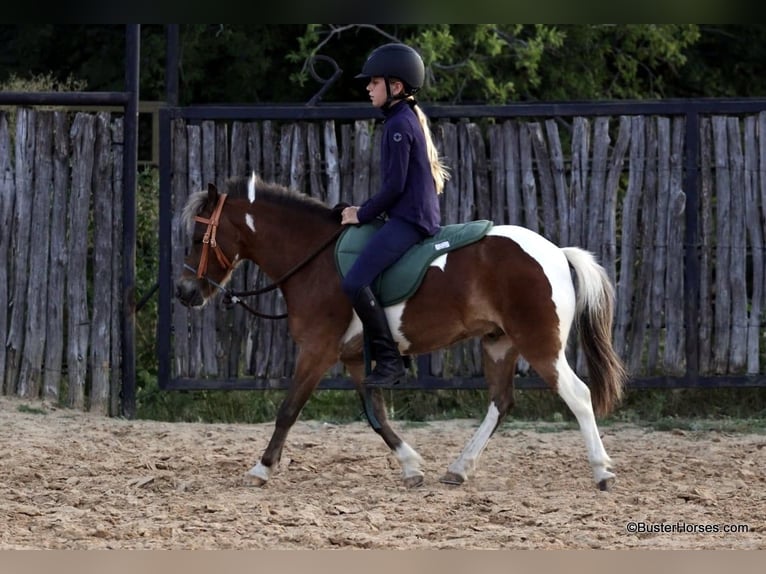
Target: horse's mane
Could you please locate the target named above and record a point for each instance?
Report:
(271, 192)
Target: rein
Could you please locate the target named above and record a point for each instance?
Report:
(234, 297)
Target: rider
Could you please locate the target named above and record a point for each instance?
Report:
(412, 177)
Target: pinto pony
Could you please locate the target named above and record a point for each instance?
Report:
(513, 288)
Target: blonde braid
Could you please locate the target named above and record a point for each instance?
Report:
(439, 169)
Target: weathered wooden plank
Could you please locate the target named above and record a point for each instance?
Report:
(238, 150)
(362, 158)
(597, 186)
(482, 194)
(270, 148)
(332, 163)
(286, 134)
(528, 183)
(608, 253)
(659, 259)
(118, 185)
(674, 352)
(30, 375)
(547, 193)
(467, 193)
(314, 157)
(722, 331)
(298, 158)
(446, 138)
(78, 320)
(513, 198)
(101, 308)
(7, 192)
(642, 307)
(24, 146)
(578, 216)
(497, 174)
(755, 233)
(737, 272)
(346, 164)
(558, 174)
(630, 238)
(254, 150)
(54, 299)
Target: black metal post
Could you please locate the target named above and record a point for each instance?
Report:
(130, 168)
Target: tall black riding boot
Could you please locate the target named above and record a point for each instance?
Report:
(389, 367)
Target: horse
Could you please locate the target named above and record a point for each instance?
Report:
(514, 289)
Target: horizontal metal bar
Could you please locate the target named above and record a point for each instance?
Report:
(64, 98)
(459, 383)
(355, 111)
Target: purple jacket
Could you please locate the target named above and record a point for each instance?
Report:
(407, 189)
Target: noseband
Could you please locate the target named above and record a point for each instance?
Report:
(208, 240)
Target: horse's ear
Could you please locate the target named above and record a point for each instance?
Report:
(212, 193)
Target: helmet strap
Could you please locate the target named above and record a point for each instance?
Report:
(390, 98)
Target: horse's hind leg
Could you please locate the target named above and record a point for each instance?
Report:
(576, 395)
(309, 368)
(499, 362)
(375, 411)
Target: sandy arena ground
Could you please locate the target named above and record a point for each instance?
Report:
(77, 481)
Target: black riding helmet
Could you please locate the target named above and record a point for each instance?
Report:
(396, 61)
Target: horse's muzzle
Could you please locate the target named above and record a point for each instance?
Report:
(189, 294)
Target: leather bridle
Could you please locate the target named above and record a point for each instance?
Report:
(209, 239)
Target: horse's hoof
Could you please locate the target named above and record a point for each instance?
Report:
(252, 480)
(605, 484)
(413, 481)
(452, 478)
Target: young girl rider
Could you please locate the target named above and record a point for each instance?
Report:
(412, 176)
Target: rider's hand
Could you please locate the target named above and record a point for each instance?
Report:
(348, 215)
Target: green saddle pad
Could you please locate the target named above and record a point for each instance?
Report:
(402, 279)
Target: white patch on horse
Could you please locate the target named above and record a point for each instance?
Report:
(466, 462)
(554, 264)
(250, 222)
(409, 460)
(251, 187)
(393, 314)
(440, 262)
(498, 350)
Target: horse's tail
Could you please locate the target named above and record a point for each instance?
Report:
(593, 319)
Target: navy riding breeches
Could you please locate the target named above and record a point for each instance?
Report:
(385, 248)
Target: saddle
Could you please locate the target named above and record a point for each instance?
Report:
(400, 281)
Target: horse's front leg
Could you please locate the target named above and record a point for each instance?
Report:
(375, 410)
(310, 366)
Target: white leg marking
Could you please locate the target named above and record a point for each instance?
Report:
(250, 222)
(466, 462)
(260, 471)
(409, 460)
(576, 395)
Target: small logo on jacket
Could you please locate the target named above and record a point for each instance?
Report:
(397, 137)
